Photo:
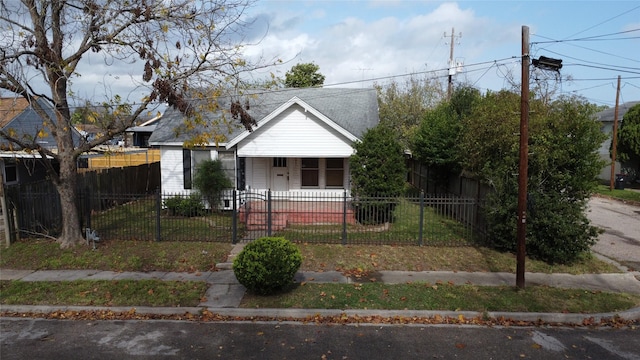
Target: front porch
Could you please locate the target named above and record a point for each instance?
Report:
(259, 210)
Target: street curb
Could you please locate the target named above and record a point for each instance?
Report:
(309, 314)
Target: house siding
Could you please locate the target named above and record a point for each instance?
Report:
(257, 173)
(171, 168)
(295, 133)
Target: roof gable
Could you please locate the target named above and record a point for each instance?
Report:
(10, 108)
(292, 102)
(27, 123)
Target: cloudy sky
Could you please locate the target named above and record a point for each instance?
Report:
(358, 42)
(361, 42)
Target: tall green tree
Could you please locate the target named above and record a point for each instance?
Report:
(436, 142)
(171, 48)
(378, 164)
(304, 75)
(378, 174)
(628, 148)
(563, 166)
(403, 104)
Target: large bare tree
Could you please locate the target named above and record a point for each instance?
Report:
(176, 45)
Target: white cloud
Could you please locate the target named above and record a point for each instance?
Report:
(353, 48)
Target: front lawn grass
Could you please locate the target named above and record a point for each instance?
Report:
(368, 258)
(103, 293)
(125, 255)
(626, 195)
(438, 230)
(424, 296)
(202, 256)
(136, 220)
(32, 254)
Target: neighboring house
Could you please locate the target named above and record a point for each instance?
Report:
(138, 136)
(302, 141)
(88, 131)
(19, 118)
(606, 118)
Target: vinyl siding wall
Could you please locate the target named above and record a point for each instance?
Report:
(294, 134)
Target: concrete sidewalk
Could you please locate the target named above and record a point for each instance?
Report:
(225, 293)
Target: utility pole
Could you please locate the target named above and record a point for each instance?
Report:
(363, 70)
(524, 161)
(614, 138)
(452, 67)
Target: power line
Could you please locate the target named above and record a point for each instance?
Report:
(590, 38)
(605, 68)
(605, 21)
(596, 51)
(605, 79)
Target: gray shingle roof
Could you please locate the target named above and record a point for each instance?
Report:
(609, 114)
(355, 110)
(26, 123)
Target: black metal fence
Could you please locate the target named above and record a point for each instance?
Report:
(311, 217)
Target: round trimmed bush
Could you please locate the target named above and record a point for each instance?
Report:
(267, 265)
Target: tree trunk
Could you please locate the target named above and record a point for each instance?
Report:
(71, 233)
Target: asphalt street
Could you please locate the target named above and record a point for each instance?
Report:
(621, 224)
(49, 339)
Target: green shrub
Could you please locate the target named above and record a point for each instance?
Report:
(184, 206)
(377, 170)
(210, 180)
(558, 231)
(267, 265)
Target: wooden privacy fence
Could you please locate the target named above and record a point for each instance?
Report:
(124, 159)
(34, 208)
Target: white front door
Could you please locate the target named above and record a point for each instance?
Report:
(279, 175)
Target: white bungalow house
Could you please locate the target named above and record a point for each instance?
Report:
(302, 141)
